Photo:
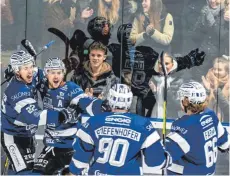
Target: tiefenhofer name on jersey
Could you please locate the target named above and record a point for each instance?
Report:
(118, 131)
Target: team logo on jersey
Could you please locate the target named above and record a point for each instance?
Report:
(47, 102)
(140, 65)
(60, 96)
(20, 94)
(206, 120)
(98, 173)
(75, 91)
(121, 120)
(64, 88)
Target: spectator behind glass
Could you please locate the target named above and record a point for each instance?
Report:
(174, 81)
(109, 9)
(217, 83)
(207, 28)
(112, 11)
(189, 16)
(85, 12)
(96, 72)
(61, 15)
(153, 27)
(210, 33)
(224, 49)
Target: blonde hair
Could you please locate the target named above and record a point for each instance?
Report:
(194, 108)
(111, 14)
(224, 61)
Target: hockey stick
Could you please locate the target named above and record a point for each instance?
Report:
(6, 166)
(165, 99)
(28, 47)
(165, 95)
(66, 40)
(63, 37)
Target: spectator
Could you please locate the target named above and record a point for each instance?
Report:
(189, 16)
(153, 27)
(217, 80)
(224, 27)
(174, 81)
(96, 72)
(61, 15)
(85, 12)
(207, 29)
(112, 11)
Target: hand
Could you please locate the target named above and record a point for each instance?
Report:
(89, 92)
(149, 29)
(210, 17)
(8, 73)
(101, 96)
(86, 13)
(227, 15)
(72, 14)
(70, 114)
(152, 86)
(206, 83)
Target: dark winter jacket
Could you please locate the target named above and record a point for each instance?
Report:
(100, 83)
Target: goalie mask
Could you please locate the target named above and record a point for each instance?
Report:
(54, 64)
(194, 91)
(19, 59)
(120, 97)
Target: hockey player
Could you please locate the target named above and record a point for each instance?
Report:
(195, 138)
(111, 143)
(21, 115)
(57, 95)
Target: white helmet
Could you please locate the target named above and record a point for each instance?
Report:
(120, 97)
(19, 59)
(194, 91)
(54, 64)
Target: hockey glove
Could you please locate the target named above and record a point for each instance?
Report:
(194, 58)
(105, 106)
(8, 73)
(69, 115)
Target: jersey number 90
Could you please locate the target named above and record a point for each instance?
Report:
(109, 148)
